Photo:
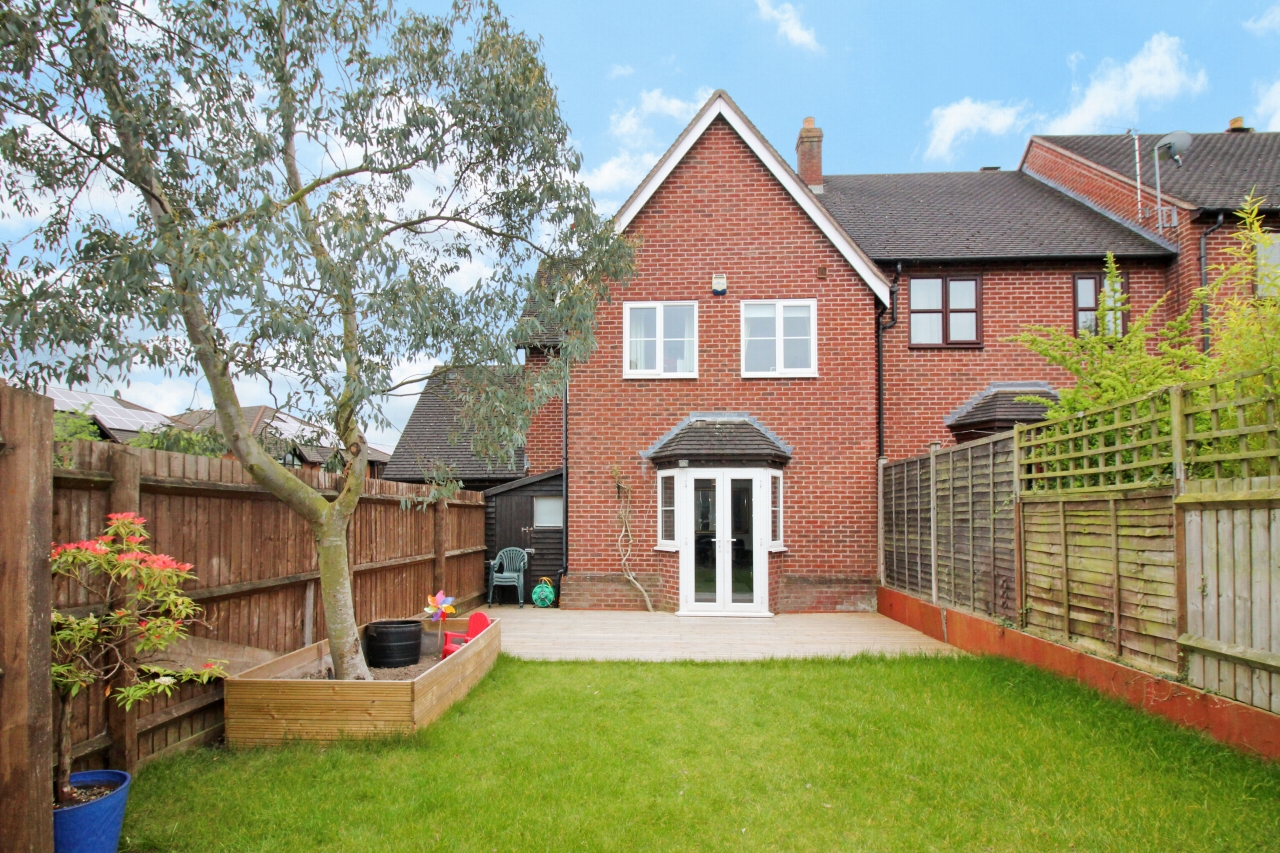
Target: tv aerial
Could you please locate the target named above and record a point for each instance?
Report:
(1171, 146)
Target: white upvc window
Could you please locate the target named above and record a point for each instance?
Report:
(775, 511)
(779, 338)
(660, 340)
(667, 510)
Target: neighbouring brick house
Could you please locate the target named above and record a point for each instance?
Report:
(734, 410)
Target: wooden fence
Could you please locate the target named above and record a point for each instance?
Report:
(949, 526)
(1148, 531)
(256, 571)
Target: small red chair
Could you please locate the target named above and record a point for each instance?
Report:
(453, 641)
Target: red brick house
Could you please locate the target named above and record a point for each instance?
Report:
(785, 328)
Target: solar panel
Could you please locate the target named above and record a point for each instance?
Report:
(106, 410)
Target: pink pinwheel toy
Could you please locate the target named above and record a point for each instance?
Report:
(440, 606)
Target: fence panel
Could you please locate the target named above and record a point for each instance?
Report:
(974, 503)
(1231, 508)
(256, 569)
(908, 554)
(1105, 567)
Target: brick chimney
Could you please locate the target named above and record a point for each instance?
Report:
(809, 155)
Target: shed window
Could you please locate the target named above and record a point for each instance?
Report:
(548, 512)
(1088, 303)
(667, 509)
(660, 339)
(946, 311)
(779, 338)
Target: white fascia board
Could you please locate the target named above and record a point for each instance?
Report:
(802, 195)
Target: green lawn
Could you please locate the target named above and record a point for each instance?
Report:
(863, 754)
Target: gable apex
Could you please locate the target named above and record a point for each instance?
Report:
(720, 105)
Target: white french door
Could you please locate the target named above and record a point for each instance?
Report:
(722, 527)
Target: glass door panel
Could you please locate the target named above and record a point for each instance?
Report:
(704, 541)
(742, 554)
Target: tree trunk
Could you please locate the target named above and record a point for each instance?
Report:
(335, 592)
(62, 783)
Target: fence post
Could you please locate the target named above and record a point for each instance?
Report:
(1177, 436)
(125, 495)
(26, 693)
(441, 544)
(1019, 564)
(933, 519)
(880, 463)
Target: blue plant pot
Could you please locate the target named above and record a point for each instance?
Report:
(92, 827)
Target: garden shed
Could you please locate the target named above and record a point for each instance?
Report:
(529, 514)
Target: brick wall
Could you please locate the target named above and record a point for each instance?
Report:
(720, 211)
(1118, 196)
(544, 446)
(922, 386)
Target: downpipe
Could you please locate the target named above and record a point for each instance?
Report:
(881, 328)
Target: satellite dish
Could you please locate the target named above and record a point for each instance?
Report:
(1173, 145)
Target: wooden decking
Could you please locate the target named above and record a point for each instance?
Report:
(554, 634)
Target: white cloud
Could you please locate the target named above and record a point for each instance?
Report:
(1267, 22)
(789, 26)
(623, 171)
(655, 102)
(621, 71)
(959, 121)
(1269, 108)
(1159, 72)
(637, 144)
(1073, 59)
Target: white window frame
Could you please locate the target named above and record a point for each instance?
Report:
(780, 372)
(627, 372)
(560, 523)
(672, 544)
(776, 544)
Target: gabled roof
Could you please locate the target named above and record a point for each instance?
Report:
(720, 105)
(984, 215)
(1218, 171)
(705, 436)
(426, 441)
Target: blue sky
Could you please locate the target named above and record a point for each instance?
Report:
(901, 86)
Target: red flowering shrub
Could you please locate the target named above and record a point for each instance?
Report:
(143, 610)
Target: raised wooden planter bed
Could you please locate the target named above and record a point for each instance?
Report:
(262, 708)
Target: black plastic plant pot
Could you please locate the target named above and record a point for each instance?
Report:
(393, 642)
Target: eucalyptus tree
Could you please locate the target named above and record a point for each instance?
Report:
(310, 193)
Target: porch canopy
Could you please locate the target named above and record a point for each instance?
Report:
(719, 440)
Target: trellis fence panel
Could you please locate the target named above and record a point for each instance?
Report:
(1147, 530)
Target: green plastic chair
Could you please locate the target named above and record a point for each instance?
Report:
(508, 570)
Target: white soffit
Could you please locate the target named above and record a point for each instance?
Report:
(721, 105)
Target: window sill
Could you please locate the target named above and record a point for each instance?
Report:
(808, 374)
(628, 375)
(672, 547)
(927, 347)
(778, 549)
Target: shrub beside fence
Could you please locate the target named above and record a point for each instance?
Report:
(1148, 531)
(256, 571)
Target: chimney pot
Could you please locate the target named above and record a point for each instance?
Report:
(809, 155)
(1236, 125)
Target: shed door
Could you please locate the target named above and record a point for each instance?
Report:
(513, 516)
